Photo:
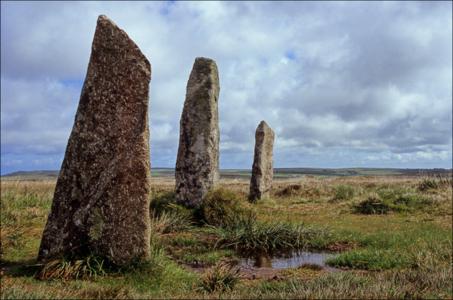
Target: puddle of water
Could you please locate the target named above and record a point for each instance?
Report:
(294, 260)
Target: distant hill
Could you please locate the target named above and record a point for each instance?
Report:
(360, 171)
(51, 173)
(279, 173)
(31, 175)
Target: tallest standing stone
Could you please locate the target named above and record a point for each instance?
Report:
(197, 165)
(101, 203)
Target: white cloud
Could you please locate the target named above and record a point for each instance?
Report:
(335, 80)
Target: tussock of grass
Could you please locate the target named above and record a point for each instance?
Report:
(271, 237)
(77, 269)
(373, 205)
(160, 201)
(343, 192)
(290, 190)
(428, 184)
(219, 278)
(222, 208)
(237, 227)
(299, 190)
(172, 220)
(435, 182)
(167, 216)
(397, 200)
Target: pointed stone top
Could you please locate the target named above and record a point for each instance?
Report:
(103, 20)
(103, 17)
(204, 60)
(109, 39)
(263, 124)
(264, 127)
(204, 65)
(204, 76)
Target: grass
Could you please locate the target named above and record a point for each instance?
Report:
(354, 285)
(171, 221)
(221, 277)
(235, 223)
(195, 247)
(435, 182)
(223, 208)
(398, 200)
(343, 192)
(253, 237)
(405, 253)
(79, 269)
(373, 205)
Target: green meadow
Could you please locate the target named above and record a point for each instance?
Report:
(390, 236)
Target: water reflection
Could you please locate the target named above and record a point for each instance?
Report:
(293, 260)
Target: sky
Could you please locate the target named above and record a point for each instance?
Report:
(343, 84)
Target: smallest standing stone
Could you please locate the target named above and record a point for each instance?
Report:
(262, 170)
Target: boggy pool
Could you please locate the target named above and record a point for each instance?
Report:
(292, 260)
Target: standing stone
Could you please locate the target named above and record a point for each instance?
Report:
(262, 171)
(101, 200)
(197, 165)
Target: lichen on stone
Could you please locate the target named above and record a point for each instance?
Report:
(197, 164)
(262, 169)
(97, 221)
(101, 200)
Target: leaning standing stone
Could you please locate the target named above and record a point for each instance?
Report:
(197, 165)
(262, 171)
(101, 200)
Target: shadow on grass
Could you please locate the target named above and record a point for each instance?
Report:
(22, 268)
(160, 200)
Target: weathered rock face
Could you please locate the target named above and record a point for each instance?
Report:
(197, 165)
(101, 201)
(262, 171)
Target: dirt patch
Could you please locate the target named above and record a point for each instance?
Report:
(305, 271)
(290, 190)
(341, 246)
(245, 272)
(250, 273)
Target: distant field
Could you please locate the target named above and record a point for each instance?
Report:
(279, 173)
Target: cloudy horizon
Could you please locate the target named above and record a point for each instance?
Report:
(343, 84)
